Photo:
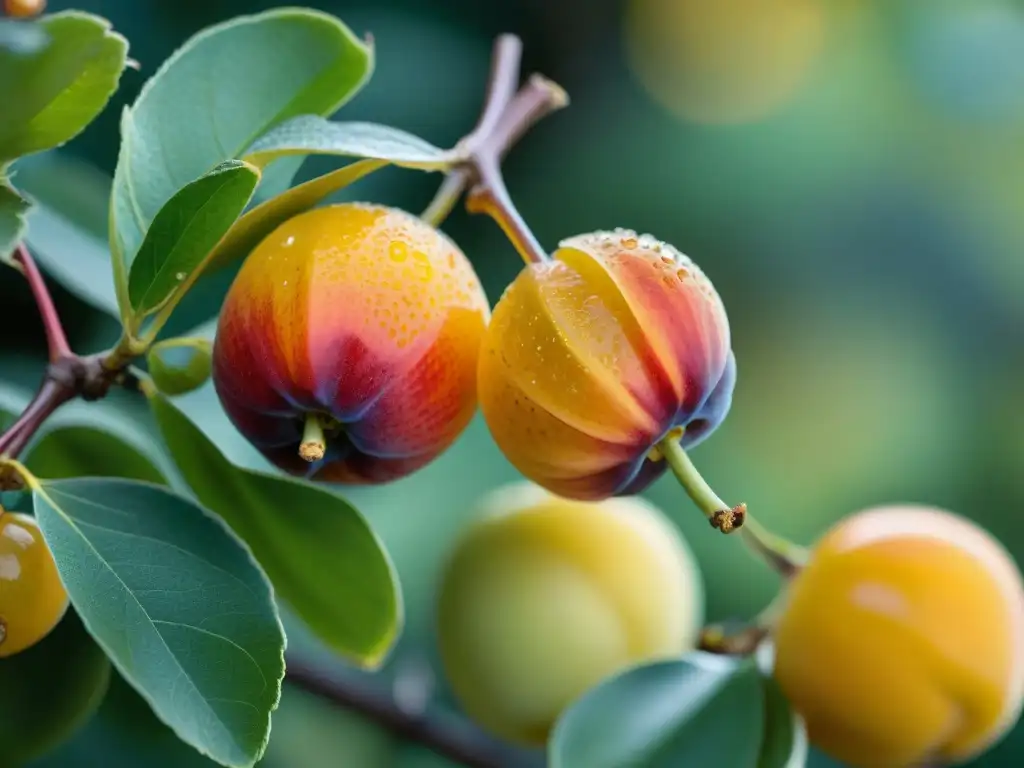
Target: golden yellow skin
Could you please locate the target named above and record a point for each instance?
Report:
(902, 642)
(32, 597)
(545, 597)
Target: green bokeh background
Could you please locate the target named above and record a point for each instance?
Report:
(866, 236)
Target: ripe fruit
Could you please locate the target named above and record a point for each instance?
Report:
(902, 641)
(593, 357)
(366, 322)
(544, 597)
(32, 597)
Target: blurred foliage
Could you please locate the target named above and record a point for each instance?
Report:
(852, 183)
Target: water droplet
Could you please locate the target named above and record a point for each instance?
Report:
(629, 242)
(398, 251)
(180, 276)
(290, 241)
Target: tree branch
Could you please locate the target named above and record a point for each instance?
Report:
(505, 119)
(56, 340)
(51, 395)
(448, 737)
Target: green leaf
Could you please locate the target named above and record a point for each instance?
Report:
(13, 208)
(185, 231)
(67, 225)
(179, 366)
(34, 718)
(321, 555)
(313, 135)
(256, 224)
(701, 710)
(98, 439)
(177, 603)
(785, 740)
(79, 451)
(125, 734)
(73, 257)
(70, 186)
(226, 86)
(277, 177)
(50, 95)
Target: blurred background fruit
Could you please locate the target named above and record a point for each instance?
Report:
(543, 598)
(902, 641)
(864, 230)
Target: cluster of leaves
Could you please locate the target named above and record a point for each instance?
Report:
(174, 556)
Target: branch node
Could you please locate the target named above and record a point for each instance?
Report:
(728, 520)
(715, 639)
(10, 479)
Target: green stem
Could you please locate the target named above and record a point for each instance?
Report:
(781, 554)
(314, 444)
(447, 196)
(716, 638)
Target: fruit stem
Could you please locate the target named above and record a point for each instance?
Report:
(781, 554)
(715, 638)
(506, 116)
(491, 197)
(447, 196)
(314, 444)
(501, 87)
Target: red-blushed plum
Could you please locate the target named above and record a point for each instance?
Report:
(594, 356)
(364, 318)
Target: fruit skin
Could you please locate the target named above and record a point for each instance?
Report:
(32, 597)
(361, 312)
(544, 597)
(594, 356)
(902, 641)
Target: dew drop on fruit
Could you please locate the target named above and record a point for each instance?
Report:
(398, 251)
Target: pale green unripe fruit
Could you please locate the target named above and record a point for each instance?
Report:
(179, 366)
(544, 597)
